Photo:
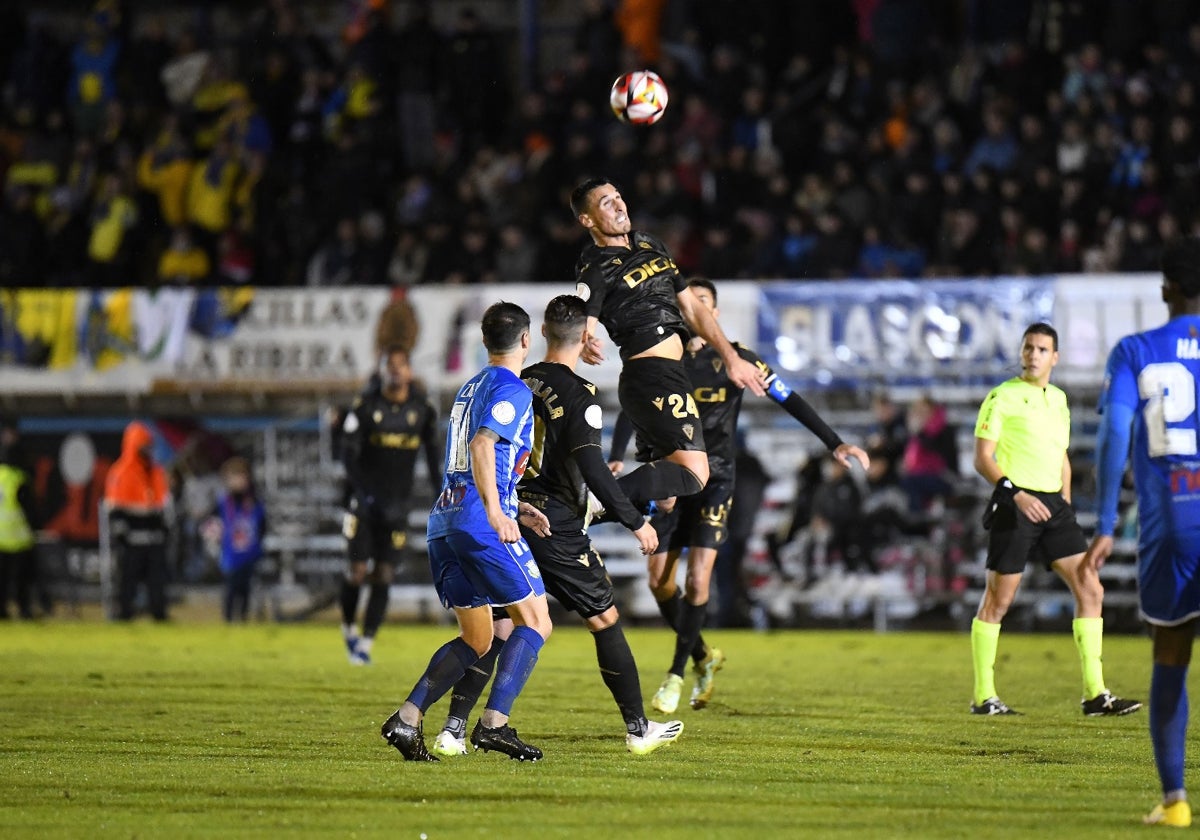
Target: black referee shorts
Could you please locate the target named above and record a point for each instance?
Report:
(656, 396)
(701, 520)
(1014, 540)
(572, 570)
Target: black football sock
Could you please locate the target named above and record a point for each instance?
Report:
(670, 609)
(658, 480)
(670, 613)
(687, 637)
(468, 690)
(620, 674)
(377, 602)
(349, 599)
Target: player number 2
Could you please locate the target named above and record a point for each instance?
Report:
(682, 407)
(1169, 390)
(458, 434)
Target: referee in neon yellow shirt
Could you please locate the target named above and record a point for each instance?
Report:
(1021, 440)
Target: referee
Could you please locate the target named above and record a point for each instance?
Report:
(1021, 440)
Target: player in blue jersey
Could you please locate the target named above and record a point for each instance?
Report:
(476, 552)
(1150, 384)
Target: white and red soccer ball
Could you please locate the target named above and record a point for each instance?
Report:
(639, 97)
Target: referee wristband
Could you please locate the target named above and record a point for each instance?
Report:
(1005, 489)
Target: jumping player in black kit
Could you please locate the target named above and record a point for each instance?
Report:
(698, 523)
(565, 456)
(631, 285)
(381, 435)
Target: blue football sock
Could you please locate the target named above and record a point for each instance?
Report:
(1168, 723)
(445, 668)
(519, 655)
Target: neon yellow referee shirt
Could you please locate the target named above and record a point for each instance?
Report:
(1032, 429)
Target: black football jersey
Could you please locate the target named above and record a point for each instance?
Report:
(380, 444)
(566, 417)
(632, 291)
(719, 402)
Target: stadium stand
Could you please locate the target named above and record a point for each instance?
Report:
(280, 143)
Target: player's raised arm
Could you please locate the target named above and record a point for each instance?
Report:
(798, 407)
(740, 372)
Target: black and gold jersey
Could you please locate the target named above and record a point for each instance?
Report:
(380, 444)
(566, 417)
(719, 402)
(632, 291)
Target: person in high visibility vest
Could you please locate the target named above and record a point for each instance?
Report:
(17, 541)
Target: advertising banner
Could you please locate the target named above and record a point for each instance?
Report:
(286, 337)
(907, 333)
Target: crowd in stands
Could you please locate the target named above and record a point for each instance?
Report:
(805, 139)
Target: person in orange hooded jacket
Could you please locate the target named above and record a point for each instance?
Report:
(137, 496)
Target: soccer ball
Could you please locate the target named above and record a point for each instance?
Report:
(639, 97)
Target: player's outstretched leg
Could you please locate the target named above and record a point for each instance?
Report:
(660, 479)
(619, 671)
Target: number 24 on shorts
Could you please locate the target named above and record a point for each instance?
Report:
(682, 405)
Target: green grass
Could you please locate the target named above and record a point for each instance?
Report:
(204, 730)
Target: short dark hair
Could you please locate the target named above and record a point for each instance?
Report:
(579, 195)
(1181, 265)
(1042, 328)
(706, 284)
(565, 319)
(502, 326)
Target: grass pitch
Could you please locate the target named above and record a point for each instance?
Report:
(265, 731)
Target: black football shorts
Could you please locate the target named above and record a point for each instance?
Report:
(572, 570)
(371, 536)
(701, 520)
(656, 396)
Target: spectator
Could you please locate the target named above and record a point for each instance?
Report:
(337, 262)
(407, 265)
(830, 536)
(210, 193)
(239, 524)
(93, 76)
(997, 149)
(1085, 121)
(517, 256)
(930, 455)
(183, 263)
(113, 216)
(165, 169)
(138, 499)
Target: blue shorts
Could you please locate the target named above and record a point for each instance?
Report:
(471, 570)
(1169, 580)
